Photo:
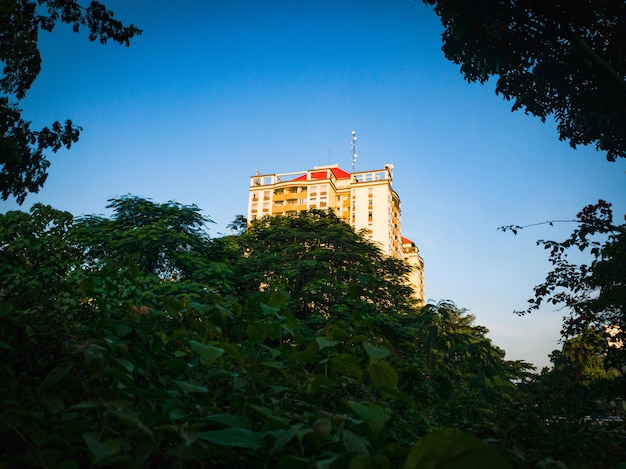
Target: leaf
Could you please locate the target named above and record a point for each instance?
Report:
(374, 417)
(323, 342)
(346, 365)
(101, 451)
(128, 366)
(322, 427)
(383, 374)
(453, 449)
(354, 443)
(234, 437)
(261, 330)
(235, 421)
(190, 388)
(208, 353)
(56, 375)
(375, 353)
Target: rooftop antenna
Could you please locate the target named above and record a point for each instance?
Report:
(353, 144)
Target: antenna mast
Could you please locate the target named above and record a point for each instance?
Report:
(353, 144)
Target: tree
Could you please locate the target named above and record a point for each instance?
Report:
(167, 239)
(327, 268)
(467, 377)
(594, 294)
(562, 58)
(36, 256)
(238, 225)
(115, 366)
(23, 164)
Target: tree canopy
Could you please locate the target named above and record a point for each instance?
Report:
(559, 58)
(23, 163)
(294, 344)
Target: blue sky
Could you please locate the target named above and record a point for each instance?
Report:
(214, 90)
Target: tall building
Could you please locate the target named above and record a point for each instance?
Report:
(364, 199)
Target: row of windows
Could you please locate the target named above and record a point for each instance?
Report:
(323, 190)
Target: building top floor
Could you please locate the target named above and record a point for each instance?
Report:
(332, 173)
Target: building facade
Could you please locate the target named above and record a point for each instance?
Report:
(364, 199)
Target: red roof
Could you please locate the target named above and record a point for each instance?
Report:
(340, 173)
(323, 174)
(406, 241)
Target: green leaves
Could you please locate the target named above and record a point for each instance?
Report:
(453, 449)
(101, 452)
(567, 67)
(23, 165)
(375, 353)
(383, 375)
(374, 417)
(233, 437)
(116, 365)
(208, 353)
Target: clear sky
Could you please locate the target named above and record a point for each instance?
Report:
(214, 90)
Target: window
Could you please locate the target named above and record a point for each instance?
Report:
(266, 206)
(369, 217)
(255, 196)
(266, 195)
(255, 207)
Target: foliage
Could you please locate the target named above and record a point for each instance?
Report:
(594, 294)
(165, 239)
(328, 269)
(466, 375)
(568, 408)
(562, 58)
(134, 368)
(36, 256)
(238, 225)
(587, 378)
(23, 163)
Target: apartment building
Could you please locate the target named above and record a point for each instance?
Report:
(364, 199)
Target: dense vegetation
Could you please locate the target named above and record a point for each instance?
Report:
(138, 340)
